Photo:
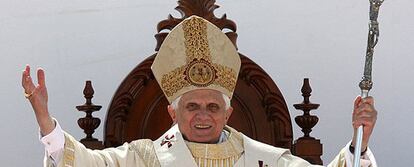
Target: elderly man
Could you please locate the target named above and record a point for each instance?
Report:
(197, 68)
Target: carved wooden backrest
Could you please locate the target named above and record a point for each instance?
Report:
(139, 108)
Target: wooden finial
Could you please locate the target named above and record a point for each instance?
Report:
(307, 122)
(89, 123)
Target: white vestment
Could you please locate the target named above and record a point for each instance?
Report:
(172, 150)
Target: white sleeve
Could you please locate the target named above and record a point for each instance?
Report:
(54, 143)
(367, 160)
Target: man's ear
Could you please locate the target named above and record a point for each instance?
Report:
(172, 113)
(228, 113)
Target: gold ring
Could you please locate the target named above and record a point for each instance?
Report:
(28, 95)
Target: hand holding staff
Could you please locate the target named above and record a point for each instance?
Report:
(366, 82)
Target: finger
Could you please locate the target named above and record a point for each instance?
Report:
(366, 108)
(41, 77)
(25, 73)
(23, 77)
(27, 80)
(362, 122)
(356, 124)
(369, 100)
(28, 69)
(366, 122)
(357, 101)
(365, 117)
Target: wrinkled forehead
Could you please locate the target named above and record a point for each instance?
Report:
(202, 96)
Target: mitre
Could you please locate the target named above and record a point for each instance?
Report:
(196, 55)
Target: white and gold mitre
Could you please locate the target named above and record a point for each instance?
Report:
(196, 55)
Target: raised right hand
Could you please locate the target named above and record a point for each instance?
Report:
(37, 95)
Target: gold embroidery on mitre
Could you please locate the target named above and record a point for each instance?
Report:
(226, 77)
(174, 81)
(196, 43)
(200, 73)
(199, 69)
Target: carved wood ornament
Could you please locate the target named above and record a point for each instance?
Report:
(307, 147)
(202, 8)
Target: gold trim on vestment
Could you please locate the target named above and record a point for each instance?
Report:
(146, 151)
(69, 152)
(226, 153)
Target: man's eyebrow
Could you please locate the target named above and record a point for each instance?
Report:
(215, 105)
(191, 103)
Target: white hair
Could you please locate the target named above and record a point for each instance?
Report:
(226, 99)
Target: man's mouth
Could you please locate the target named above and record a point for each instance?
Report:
(198, 126)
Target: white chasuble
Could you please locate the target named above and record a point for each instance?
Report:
(171, 150)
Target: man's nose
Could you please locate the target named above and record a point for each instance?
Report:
(203, 114)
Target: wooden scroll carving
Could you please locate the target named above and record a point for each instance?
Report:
(253, 80)
(202, 8)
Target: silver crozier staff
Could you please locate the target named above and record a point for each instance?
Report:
(366, 82)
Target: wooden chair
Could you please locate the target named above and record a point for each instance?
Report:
(139, 108)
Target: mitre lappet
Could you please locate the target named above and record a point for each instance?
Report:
(196, 54)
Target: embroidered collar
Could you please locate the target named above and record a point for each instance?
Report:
(232, 147)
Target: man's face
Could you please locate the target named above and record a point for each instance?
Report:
(201, 115)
